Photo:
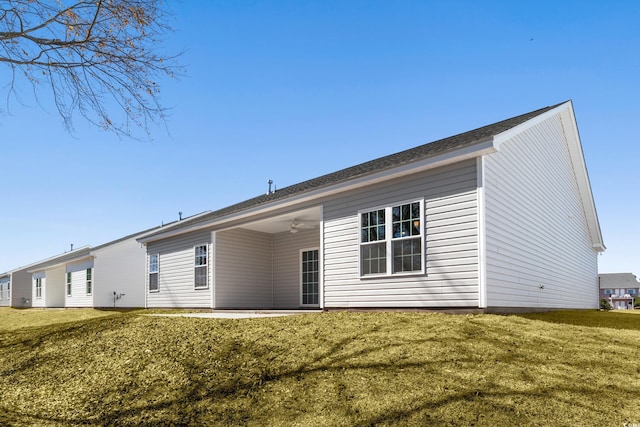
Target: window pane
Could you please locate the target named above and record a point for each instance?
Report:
(153, 282)
(374, 259)
(396, 214)
(201, 277)
(153, 263)
(407, 255)
(201, 255)
(372, 226)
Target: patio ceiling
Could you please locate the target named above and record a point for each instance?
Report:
(305, 219)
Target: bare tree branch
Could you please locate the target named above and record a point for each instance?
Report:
(94, 56)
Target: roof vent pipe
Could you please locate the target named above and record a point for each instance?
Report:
(270, 182)
(72, 247)
(180, 216)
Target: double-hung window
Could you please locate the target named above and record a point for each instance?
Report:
(154, 269)
(38, 288)
(201, 273)
(89, 281)
(392, 240)
(69, 284)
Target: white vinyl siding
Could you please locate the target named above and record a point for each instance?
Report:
(39, 301)
(52, 284)
(243, 269)
(5, 292)
(79, 297)
(176, 275)
(119, 268)
(536, 230)
(286, 271)
(451, 251)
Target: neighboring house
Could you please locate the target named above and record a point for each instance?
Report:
(108, 275)
(50, 277)
(619, 289)
(18, 284)
(498, 218)
(5, 290)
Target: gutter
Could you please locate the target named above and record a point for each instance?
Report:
(473, 151)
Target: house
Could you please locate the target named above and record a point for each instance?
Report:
(619, 290)
(50, 278)
(16, 288)
(5, 290)
(108, 275)
(500, 218)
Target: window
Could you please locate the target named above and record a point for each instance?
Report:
(201, 272)
(154, 267)
(69, 284)
(631, 291)
(38, 288)
(607, 291)
(89, 281)
(395, 230)
(373, 250)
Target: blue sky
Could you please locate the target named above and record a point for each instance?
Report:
(290, 90)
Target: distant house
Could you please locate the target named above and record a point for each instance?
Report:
(16, 288)
(619, 289)
(50, 278)
(5, 290)
(108, 275)
(498, 218)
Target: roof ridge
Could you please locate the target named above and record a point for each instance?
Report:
(421, 152)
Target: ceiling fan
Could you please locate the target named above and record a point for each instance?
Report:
(294, 226)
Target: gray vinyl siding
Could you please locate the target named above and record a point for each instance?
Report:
(536, 229)
(119, 268)
(21, 295)
(287, 246)
(451, 210)
(243, 269)
(79, 297)
(176, 272)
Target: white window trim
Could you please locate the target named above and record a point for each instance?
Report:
(157, 273)
(206, 266)
(38, 281)
(88, 281)
(389, 239)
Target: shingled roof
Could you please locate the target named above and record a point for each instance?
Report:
(422, 152)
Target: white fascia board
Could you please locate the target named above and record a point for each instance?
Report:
(510, 133)
(582, 175)
(473, 151)
(51, 262)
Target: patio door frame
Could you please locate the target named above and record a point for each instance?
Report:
(301, 276)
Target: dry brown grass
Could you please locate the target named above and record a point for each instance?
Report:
(322, 369)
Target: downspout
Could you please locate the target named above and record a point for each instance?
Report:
(482, 247)
(273, 260)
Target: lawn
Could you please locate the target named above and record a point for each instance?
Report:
(103, 368)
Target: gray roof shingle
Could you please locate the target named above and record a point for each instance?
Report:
(422, 152)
